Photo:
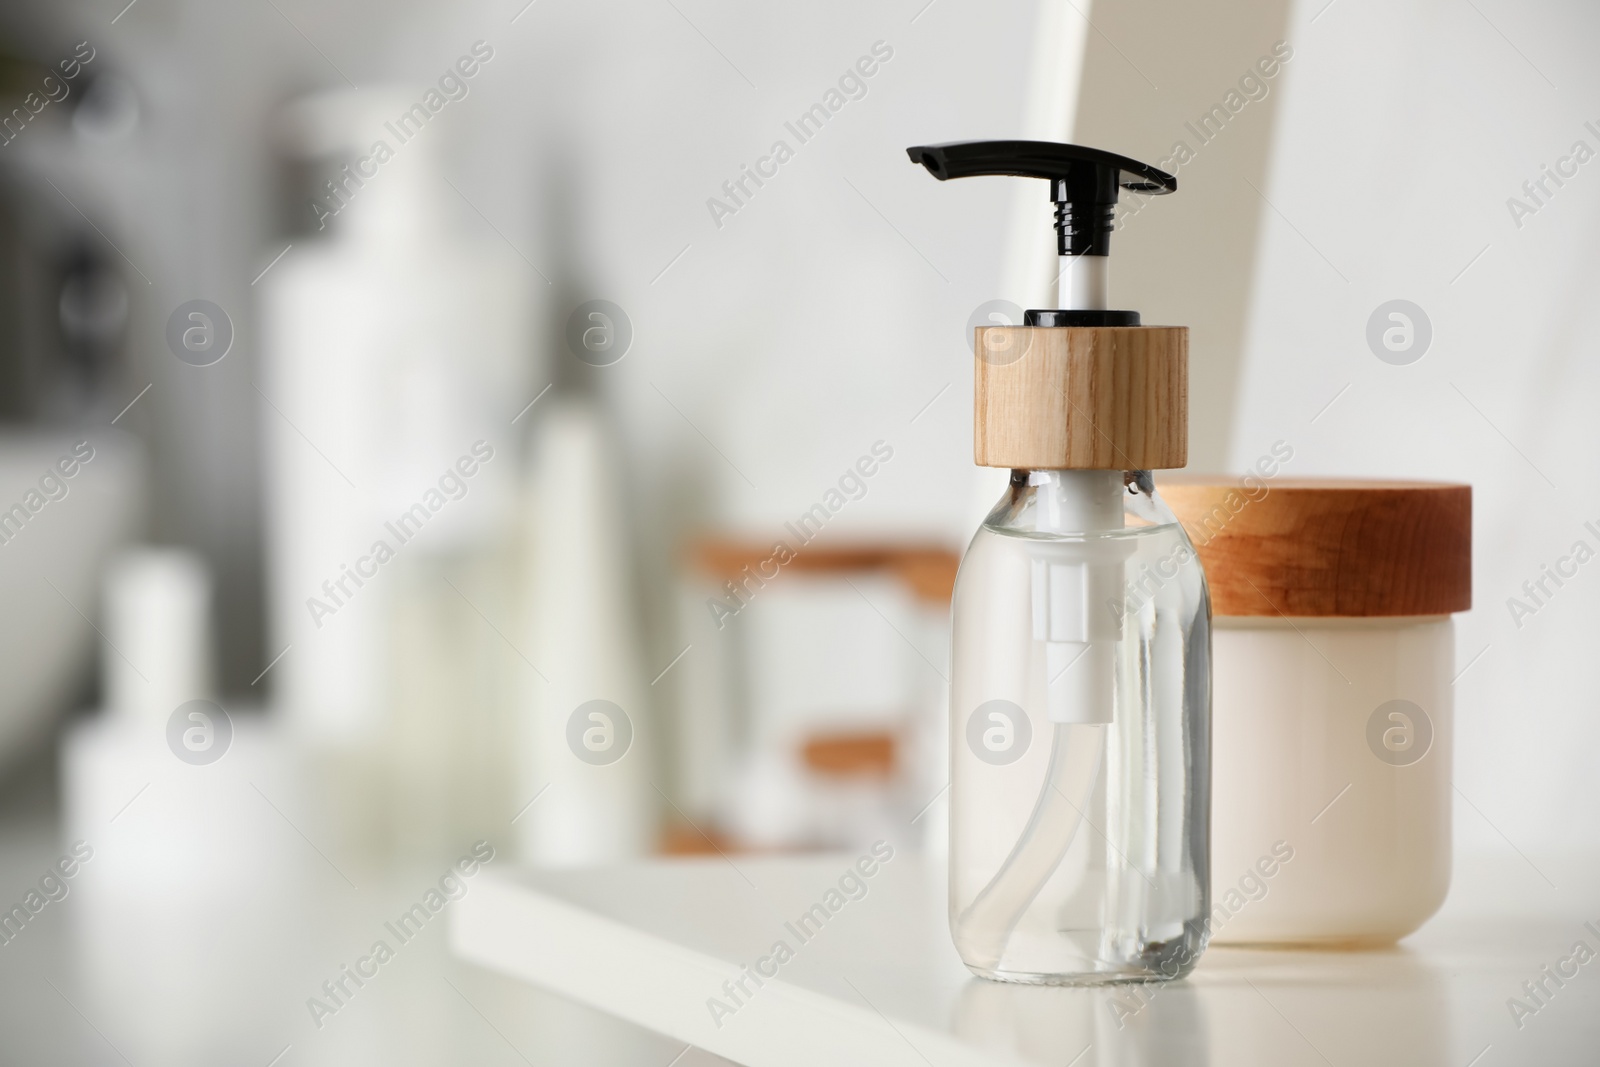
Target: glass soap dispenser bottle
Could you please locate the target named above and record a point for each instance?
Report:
(1081, 651)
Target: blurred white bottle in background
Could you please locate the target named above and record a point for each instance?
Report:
(155, 657)
(588, 740)
(175, 810)
(146, 781)
(158, 604)
(396, 353)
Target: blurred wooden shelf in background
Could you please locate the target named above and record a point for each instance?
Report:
(929, 571)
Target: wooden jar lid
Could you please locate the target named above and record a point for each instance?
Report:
(1082, 397)
(1325, 547)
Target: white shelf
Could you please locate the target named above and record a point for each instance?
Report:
(880, 983)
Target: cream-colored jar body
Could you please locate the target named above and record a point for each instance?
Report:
(1331, 770)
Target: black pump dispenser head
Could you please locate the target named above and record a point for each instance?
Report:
(1084, 184)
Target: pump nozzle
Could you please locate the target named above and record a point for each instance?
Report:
(1083, 181)
(1084, 184)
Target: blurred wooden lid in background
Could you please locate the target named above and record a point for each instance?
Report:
(929, 571)
(1326, 546)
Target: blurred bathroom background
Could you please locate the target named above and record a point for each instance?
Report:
(630, 335)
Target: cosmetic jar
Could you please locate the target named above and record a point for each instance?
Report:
(1333, 662)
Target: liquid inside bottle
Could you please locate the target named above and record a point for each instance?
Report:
(1080, 736)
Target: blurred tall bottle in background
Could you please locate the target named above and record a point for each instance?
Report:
(588, 736)
(396, 354)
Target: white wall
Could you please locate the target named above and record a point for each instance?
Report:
(1403, 129)
(808, 325)
(790, 339)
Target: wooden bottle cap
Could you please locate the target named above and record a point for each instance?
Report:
(1328, 547)
(1082, 397)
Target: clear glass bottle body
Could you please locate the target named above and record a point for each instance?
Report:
(1080, 736)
